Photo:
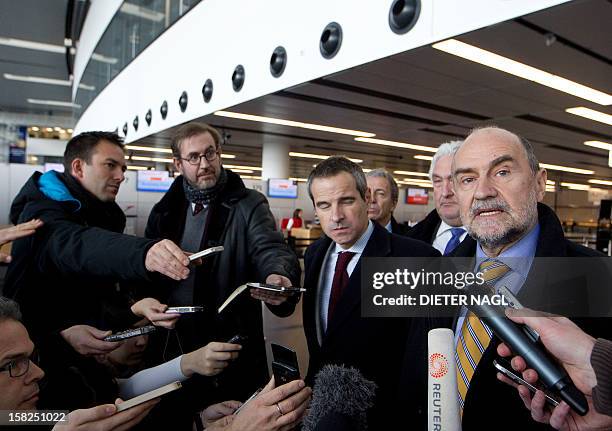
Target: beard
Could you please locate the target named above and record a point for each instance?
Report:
(514, 223)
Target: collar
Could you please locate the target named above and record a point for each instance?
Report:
(518, 256)
(444, 227)
(361, 243)
(389, 226)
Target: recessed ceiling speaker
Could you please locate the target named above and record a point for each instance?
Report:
(135, 123)
(331, 40)
(125, 129)
(278, 61)
(183, 101)
(207, 90)
(163, 110)
(148, 117)
(238, 78)
(403, 15)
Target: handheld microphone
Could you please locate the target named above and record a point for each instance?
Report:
(515, 336)
(442, 392)
(340, 399)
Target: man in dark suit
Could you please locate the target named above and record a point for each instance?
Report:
(442, 227)
(384, 195)
(498, 183)
(390, 351)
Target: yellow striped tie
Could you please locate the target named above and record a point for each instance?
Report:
(475, 335)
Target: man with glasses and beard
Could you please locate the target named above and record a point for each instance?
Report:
(499, 185)
(207, 206)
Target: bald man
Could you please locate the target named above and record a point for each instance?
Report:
(499, 186)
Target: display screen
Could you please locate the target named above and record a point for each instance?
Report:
(282, 188)
(153, 181)
(417, 196)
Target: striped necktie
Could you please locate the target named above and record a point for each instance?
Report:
(475, 335)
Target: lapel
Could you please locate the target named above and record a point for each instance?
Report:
(379, 245)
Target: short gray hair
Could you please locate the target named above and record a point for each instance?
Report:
(9, 310)
(446, 149)
(335, 165)
(383, 173)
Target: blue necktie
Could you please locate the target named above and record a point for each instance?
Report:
(454, 241)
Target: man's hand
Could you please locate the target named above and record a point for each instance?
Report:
(15, 232)
(105, 418)
(154, 312)
(273, 298)
(217, 411)
(209, 360)
(274, 409)
(167, 258)
(88, 340)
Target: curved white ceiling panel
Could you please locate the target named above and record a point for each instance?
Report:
(218, 35)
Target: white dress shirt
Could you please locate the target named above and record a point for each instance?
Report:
(329, 268)
(444, 235)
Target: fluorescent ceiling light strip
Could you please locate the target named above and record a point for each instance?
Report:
(227, 156)
(243, 171)
(365, 170)
(299, 180)
(317, 156)
(591, 114)
(507, 65)
(290, 123)
(576, 186)
(551, 183)
(151, 149)
(54, 103)
(142, 12)
(43, 80)
(602, 182)
(250, 177)
(397, 144)
(599, 144)
(151, 159)
(254, 168)
(29, 44)
(137, 168)
(422, 157)
(417, 180)
(104, 59)
(566, 169)
(416, 174)
(412, 183)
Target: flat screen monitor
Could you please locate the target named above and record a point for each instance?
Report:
(153, 181)
(417, 196)
(282, 188)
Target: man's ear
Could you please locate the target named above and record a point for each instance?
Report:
(76, 168)
(178, 165)
(540, 179)
(368, 196)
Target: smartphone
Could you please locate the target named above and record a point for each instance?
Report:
(275, 288)
(185, 310)
(129, 333)
(155, 393)
(505, 368)
(238, 339)
(285, 365)
(207, 252)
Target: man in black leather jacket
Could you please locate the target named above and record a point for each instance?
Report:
(209, 206)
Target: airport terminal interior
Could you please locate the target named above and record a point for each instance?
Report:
(386, 95)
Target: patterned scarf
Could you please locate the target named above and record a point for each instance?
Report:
(205, 196)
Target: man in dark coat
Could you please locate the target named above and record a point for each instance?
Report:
(442, 227)
(209, 206)
(392, 352)
(498, 183)
(384, 197)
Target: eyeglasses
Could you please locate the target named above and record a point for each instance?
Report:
(195, 159)
(18, 367)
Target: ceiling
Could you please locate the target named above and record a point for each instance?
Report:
(37, 21)
(426, 97)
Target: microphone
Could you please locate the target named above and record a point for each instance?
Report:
(341, 397)
(442, 392)
(516, 337)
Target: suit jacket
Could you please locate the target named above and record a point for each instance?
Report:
(489, 401)
(390, 351)
(426, 229)
(398, 228)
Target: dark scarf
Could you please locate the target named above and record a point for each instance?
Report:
(106, 215)
(205, 196)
